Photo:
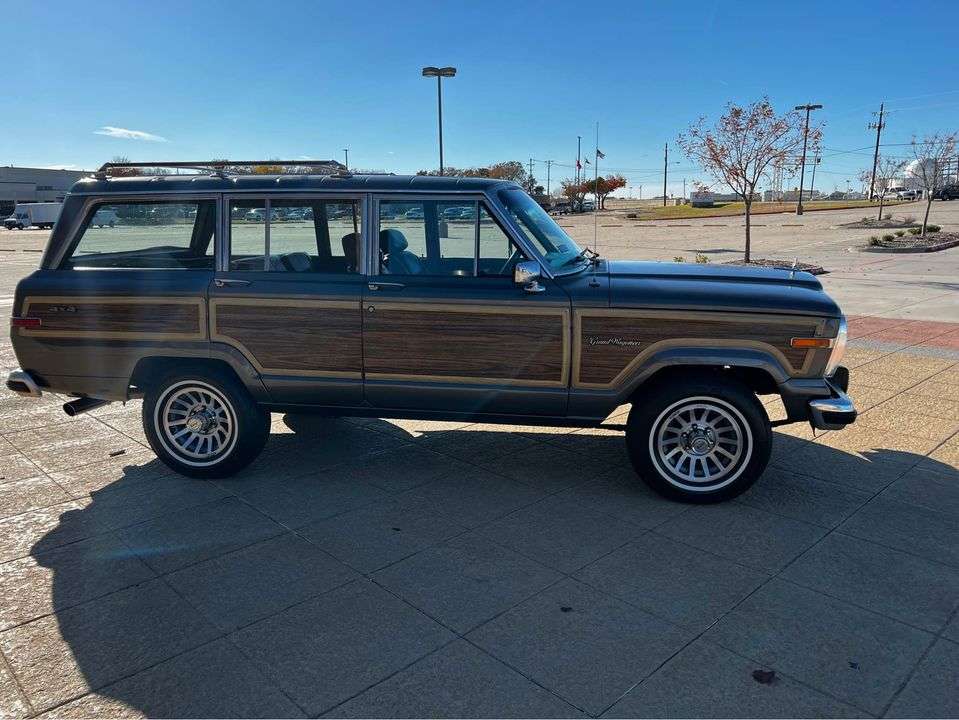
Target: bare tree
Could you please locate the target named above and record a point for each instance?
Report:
(743, 143)
(887, 170)
(932, 157)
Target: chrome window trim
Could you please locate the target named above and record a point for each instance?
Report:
(94, 199)
(360, 198)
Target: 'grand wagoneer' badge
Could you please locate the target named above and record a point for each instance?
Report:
(592, 340)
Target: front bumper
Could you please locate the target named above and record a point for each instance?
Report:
(836, 411)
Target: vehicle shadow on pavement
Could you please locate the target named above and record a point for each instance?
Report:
(171, 597)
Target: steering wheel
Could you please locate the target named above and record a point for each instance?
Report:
(509, 261)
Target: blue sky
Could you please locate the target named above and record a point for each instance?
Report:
(306, 79)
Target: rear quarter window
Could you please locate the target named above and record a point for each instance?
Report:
(146, 235)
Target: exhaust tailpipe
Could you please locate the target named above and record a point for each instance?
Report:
(82, 405)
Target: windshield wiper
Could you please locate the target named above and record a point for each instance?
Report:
(584, 254)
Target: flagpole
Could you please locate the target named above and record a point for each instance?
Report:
(596, 192)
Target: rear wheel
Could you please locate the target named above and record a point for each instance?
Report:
(204, 423)
(699, 439)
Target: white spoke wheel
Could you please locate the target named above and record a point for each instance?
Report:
(204, 423)
(196, 423)
(700, 444)
(698, 438)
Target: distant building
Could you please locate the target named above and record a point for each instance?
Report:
(22, 184)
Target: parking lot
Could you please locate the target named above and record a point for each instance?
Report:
(379, 568)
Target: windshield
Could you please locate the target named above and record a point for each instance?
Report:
(557, 248)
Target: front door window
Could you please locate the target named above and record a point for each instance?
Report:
(458, 238)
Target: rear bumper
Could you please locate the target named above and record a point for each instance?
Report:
(22, 383)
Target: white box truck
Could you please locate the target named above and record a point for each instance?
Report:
(39, 214)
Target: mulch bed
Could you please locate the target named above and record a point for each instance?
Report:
(781, 265)
(933, 242)
(881, 224)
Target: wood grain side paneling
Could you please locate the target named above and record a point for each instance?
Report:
(412, 342)
(608, 345)
(293, 338)
(117, 318)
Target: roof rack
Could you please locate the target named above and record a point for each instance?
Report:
(220, 168)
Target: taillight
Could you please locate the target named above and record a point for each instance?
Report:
(25, 322)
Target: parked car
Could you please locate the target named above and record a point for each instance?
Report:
(524, 327)
(588, 206)
(947, 192)
(37, 214)
(900, 192)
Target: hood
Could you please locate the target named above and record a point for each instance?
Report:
(716, 287)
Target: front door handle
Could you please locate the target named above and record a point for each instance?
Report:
(386, 285)
(229, 282)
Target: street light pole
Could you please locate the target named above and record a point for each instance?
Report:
(579, 142)
(665, 171)
(439, 74)
(346, 154)
(805, 138)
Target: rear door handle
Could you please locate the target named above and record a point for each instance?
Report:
(229, 282)
(386, 285)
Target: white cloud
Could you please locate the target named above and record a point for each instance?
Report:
(125, 134)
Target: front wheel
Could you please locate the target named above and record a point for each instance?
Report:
(204, 424)
(699, 440)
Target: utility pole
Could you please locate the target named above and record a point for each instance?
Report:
(549, 164)
(346, 153)
(805, 138)
(684, 188)
(579, 142)
(812, 185)
(665, 171)
(529, 177)
(879, 125)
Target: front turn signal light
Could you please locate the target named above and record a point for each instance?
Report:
(811, 343)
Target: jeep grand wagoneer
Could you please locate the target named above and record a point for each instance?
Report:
(219, 298)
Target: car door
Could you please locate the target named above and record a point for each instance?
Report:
(445, 328)
(287, 294)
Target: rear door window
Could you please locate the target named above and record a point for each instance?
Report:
(294, 235)
(146, 235)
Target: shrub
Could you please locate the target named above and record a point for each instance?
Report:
(900, 233)
(932, 228)
(873, 240)
(888, 237)
(915, 231)
(910, 219)
(679, 258)
(701, 259)
(887, 216)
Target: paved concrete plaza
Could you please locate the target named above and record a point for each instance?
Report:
(373, 568)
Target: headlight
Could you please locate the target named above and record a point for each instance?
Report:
(838, 347)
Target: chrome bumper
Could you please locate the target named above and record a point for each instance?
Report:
(22, 383)
(832, 413)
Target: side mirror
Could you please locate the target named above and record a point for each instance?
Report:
(527, 273)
